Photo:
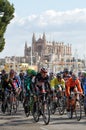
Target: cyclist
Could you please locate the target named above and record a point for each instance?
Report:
(7, 88)
(41, 77)
(66, 74)
(72, 84)
(15, 81)
(58, 84)
(42, 85)
(29, 84)
(3, 85)
(51, 76)
(21, 75)
(84, 89)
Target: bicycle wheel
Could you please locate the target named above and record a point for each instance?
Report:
(9, 108)
(46, 113)
(27, 108)
(36, 111)
(61, 106)
(70, 113)
(53, 107)
(3, 107)
(78, 110)
(85, 110)
(14, 105)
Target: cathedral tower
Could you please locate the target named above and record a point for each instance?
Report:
(33, 43)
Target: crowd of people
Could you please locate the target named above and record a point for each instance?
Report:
(30, 82)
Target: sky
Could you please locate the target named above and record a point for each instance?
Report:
(61, 20)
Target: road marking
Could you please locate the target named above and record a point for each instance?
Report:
(43, 128)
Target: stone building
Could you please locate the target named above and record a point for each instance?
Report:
(45, 52)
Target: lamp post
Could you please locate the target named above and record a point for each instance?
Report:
(76, 61)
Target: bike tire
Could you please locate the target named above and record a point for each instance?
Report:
(27, 108)
(78, 110)
(53, 107)
(9, 108)
(61, 106)
(36, 111)
(14, 107)
(46, 113)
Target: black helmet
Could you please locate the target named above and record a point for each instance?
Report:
(66, 71)
(58, 75)
(71, 72)
(43, 69)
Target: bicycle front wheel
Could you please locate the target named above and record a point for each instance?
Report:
(61, 106)
(9, 108)
(36, 111)
(26, 106)
(46, 113)
(14, 105)
(78, 110)
(53, 107)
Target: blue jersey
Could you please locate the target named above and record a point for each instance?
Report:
(84, 85)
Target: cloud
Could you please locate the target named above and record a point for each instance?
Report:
(51, 18)
(67, 26)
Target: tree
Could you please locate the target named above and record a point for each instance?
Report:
(6, 15)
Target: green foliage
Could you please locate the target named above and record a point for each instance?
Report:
(6, 15)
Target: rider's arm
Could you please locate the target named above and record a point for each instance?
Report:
(68, 85)
(79, 86)
(63, 84)
(53, 83)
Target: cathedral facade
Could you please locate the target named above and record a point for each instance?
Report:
(44, 51)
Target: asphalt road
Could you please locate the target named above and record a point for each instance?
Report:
(57, 122)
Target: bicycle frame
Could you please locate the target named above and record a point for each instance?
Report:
(75, 106)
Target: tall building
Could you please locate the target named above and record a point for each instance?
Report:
(44, 51)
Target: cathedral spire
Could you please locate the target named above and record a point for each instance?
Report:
(33, 38)
(25, 49)
(33, 43)
(44, 37)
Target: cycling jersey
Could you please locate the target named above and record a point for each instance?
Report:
(55, 82)
(40, 78)
(71, 84)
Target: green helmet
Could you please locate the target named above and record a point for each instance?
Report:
(33, 72)
(84, 74)
(29, 71)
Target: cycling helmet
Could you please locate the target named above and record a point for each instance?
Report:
(58, 75)
(71, 72)
(29, 71)
(74, 77)
(66, 71)
(33, 72)
(12, 71)
(43, 69)
(84, 74)
(3, 71)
